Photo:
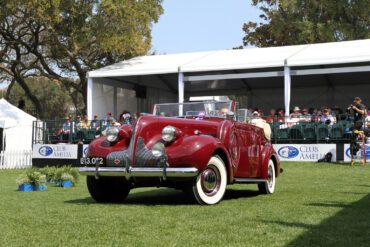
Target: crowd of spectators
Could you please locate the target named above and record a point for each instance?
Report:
(75, 129)
(324, 115)
(96, 122)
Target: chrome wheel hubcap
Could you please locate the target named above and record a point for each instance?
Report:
(210, 181)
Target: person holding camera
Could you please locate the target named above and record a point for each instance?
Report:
(358, 110)
(360, 130)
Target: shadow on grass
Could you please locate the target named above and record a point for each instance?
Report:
(349, 227)
(363, 185)
(329, 205)
(167, 197)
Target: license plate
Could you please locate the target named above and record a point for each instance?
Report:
(91, 161)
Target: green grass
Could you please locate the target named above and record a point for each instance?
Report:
(314, 205)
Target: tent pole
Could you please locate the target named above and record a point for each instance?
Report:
(287, 88)
(181, 91)
(115, 110)
(89, 98)
(181, 87)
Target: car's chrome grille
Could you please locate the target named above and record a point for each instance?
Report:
(119, 158)
(124, 157)
(144, 157)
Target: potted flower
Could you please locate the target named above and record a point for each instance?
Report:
(31, 180)
(67, 180)
(37, 179)
(49, 172)
(24, 183)
(66, 176)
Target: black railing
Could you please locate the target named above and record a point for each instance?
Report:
(62, 131)
(308, 129)
(284, 130)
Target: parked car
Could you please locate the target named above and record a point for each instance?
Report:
(197, 147)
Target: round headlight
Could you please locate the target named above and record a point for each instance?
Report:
(112, 134)
(158, 149)
(169, 133)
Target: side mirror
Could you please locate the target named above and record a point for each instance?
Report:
(230, 116)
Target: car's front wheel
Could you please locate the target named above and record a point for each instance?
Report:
(210, 186)
(108, 189)
(268, 187)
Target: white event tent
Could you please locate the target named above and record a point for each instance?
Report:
(17, 125)
(309, 75)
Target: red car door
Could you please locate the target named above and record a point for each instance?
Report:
(249, 137)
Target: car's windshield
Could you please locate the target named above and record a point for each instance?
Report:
(197, 109)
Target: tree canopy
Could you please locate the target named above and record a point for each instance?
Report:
(64, 39)
(292, 22)
(56, 102)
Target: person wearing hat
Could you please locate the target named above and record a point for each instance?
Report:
(296, 113)
(259, 122)
(358, 110)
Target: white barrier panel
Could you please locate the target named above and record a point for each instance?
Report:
(85, 149)
(55, 151)
(359, 155)
(15, 159)
(304, 152)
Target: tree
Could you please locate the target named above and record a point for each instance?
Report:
(55, 102)
(293, 22)
(64, 39)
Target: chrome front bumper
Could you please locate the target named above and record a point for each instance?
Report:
(171, 172)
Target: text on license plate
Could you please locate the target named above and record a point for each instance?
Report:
(91, 161)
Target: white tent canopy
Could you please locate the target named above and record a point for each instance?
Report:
(307, 75)
(17, 127)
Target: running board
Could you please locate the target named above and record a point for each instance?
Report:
(249, 180)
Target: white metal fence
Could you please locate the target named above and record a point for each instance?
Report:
(15, 159)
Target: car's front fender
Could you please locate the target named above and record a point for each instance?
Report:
(194, 151)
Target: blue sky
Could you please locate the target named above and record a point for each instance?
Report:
(201, 25)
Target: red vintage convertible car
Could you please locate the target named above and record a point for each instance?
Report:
(196, 147)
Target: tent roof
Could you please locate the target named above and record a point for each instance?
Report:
(251, 58)
(356, 51)
(13, 116)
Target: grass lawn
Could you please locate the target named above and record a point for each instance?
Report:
(313, 205)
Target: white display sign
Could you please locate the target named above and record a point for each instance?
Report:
(54, 151)
(359, 155)
(85, 149)
(304, 152)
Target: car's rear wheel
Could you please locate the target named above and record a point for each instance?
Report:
(108, 189)
(268, 187)
(210, 186)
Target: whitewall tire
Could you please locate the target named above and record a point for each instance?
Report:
(268, 187)
(210, 186)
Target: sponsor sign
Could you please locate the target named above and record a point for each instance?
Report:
(54, 151)
(358, 156)
(304, 152)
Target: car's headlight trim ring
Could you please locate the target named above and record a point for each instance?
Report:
(158, 149)
(169, 133)
(112, 134)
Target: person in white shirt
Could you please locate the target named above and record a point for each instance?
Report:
(259, 122)
(326, 118)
